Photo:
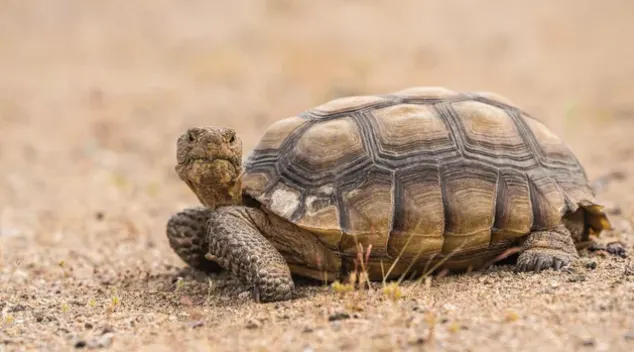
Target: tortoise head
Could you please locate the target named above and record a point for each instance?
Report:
(209, 160)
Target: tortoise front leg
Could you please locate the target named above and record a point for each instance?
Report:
(187, 235)
(547, 249)
(236, 243)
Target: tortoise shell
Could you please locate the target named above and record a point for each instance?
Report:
(424, 170)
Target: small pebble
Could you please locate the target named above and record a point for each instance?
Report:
(595, 246)
(448, 306)
(617, 248)
(591, 265)
(197, 324)
(17, 308)
(418, 341)
(253, 324)
(577, 278)
(588, 342)
(339, 316)
(103, 341)
(629, 336)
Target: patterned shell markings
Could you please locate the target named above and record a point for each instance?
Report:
(422, 171)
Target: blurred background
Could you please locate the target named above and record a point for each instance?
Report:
(94, 93)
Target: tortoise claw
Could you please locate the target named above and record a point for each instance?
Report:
(256, 294)
(536, 259)
(540, 264)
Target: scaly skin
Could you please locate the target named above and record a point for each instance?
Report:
(187, 235)
(209, 162)
(237, 245)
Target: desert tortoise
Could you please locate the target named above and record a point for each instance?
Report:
(421, 175)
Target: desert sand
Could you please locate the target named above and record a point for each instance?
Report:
(93, 95)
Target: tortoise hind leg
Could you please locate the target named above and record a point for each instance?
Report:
(547, 249)
(187, 235)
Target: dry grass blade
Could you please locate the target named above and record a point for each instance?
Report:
(409, 267)
(442, 261)
(507, 253)
(399, 256)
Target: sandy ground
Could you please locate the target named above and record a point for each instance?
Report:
(94, 93)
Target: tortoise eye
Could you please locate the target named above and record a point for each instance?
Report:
(190, 137)
(232, 138)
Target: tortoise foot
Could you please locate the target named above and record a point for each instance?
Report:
(547, 250)
(539, 259)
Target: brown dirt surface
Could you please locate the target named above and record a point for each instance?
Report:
(94, 93)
